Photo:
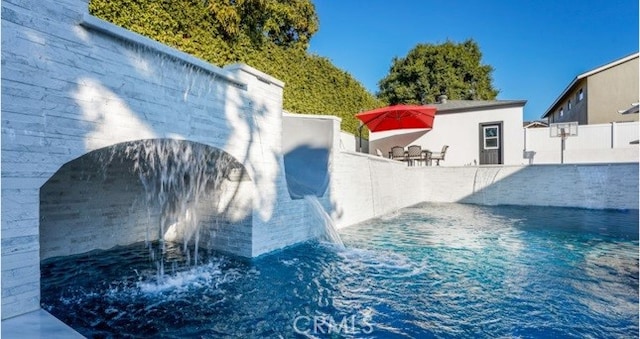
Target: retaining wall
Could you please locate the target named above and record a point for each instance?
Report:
(369, 186)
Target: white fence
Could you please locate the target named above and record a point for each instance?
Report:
(602, 143)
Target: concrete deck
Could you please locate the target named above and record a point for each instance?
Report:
(37, 324)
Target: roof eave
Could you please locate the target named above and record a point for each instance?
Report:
(513, 103)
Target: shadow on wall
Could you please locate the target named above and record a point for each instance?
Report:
(307, 171)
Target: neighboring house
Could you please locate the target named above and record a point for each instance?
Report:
(597, 96)
(478, 132)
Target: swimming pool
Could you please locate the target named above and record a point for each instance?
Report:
(445, 270)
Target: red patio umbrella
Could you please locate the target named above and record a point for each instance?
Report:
(398, 117)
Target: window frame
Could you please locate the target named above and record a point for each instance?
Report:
(495, 137)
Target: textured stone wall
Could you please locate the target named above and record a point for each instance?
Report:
(72, 84)
(368, 186)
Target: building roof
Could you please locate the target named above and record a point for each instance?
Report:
(457, 106)
(585, 75)
(534, 124)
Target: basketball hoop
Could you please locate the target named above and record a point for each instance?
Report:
(563, 130)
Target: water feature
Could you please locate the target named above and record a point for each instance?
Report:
(328, 230)
(593, 180)
(175, 176)
(483, 178)
(153, 190)
(445, 270)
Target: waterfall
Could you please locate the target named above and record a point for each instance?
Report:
(328, 230)
(592, 181)
(176, 176)
(483, 179)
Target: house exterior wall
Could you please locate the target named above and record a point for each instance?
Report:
(612, 90)
(461, 132)
(604, 94)
(578, 111)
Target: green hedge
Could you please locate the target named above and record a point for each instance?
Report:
(313, 85)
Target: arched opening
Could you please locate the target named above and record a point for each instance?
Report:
(147, 191)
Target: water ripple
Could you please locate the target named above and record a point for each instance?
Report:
(434, 270)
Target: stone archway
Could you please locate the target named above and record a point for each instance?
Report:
(147, 190)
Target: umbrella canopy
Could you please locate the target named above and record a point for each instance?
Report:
(398, 117)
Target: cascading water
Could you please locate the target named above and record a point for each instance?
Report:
(593, 179)
(483, 178)
(176, 176)
(328, 228)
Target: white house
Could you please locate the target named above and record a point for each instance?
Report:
(478, 132)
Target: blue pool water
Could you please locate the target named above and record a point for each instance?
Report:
(432, 270)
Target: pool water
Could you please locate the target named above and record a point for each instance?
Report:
(431, 270)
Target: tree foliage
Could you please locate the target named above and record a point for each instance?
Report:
(430, 70)
(270, 35)
(283, 22)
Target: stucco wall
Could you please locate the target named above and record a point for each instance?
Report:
(578, 111)
(461, 132)
(612, 90)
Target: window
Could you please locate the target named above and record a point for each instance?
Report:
(579, 95)
(561, 112)
(491, 137)
(569, 106)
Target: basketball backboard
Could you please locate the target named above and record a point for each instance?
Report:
(563, 129)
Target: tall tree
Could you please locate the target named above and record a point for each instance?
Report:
(430, 70)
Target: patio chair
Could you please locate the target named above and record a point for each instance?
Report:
(397, 153)
(437, 156)
(415, 154)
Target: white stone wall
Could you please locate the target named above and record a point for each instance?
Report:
(72, 83)
(366, 186)
(600, 143)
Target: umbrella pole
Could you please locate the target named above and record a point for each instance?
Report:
(360, 138)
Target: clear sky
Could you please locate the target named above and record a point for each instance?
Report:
(536, 47)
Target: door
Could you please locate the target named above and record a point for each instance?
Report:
(491, 143)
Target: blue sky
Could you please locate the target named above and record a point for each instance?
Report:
(537, 47)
